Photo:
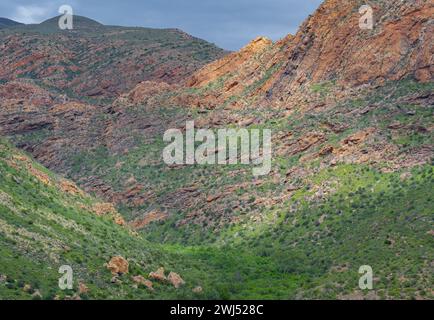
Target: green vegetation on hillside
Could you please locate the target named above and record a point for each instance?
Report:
(42, 228)
(311, 250)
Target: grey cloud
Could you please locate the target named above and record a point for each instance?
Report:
(228, 23)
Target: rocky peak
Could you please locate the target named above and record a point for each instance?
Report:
(229, 63)
(330, 45)
(256, 45)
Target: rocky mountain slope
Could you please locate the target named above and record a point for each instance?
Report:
(100, 61)
(351, 115)
(329, 46)
(46, 222)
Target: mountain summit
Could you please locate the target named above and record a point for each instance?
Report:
(97, 61)
(80, 22)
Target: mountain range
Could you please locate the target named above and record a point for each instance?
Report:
(83, 113)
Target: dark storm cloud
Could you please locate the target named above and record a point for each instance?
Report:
(228, 23)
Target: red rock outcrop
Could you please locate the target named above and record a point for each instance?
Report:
(158, 275)
(229, 63)
(118, 265)
(175, 279)
(148, 218)
(140, 280)
(331, 46)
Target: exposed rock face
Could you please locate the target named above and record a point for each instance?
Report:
(27, 288)
(118, 265)
(102, 209)
(330, 45)
(149, 218)
(313, 89)
(158, 275)
(119, 220)
(101, 61)
(262, 83)
(175, 279)
(70, 187)
(231, 62)
(37, 295)
(220, 80)
(146, 90)
(140, 280)
(108, 209)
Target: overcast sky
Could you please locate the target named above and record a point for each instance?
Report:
(228, 23)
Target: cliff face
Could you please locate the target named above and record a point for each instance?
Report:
(330, 46)
(242, 60)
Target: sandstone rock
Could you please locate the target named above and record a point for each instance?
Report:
(146, 90)
(292, 188)
(41, 176)
(306, 142)
(150, 217)
(70, 187)
(120, 221)
(229, 63)
(49, 59)
(108, 209)
(424, 75)
(175, 279)
(158, 275)
(326, 150)
(140, 280)
(118, 265)
(398, 47)
(130, 181)
(102, 209)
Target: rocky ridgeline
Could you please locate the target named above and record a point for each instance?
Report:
(329, 46)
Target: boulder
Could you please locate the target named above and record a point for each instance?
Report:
(175, 279)
(142, 281)
(158, 275)
(118, 265)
